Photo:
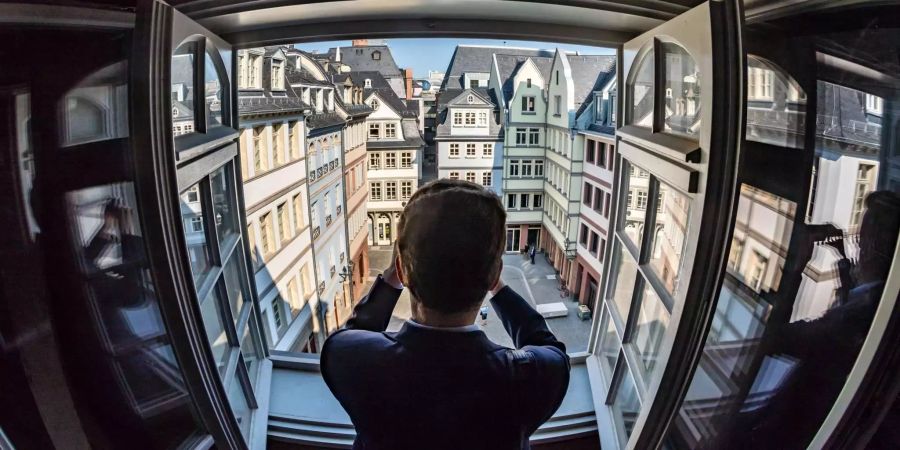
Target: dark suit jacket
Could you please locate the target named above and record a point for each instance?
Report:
(423, 388)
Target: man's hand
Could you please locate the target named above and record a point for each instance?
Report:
(390, 273)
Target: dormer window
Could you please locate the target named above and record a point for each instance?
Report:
(277, 74)
(174, 112)
(376, 55)
(368, 83)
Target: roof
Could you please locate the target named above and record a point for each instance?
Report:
(509, 65)
(589, 73)
(302, 76)
(447, 96)
(467, 58)
(323, 120)
(249, 106)
(360, 59)
(381, 87)
(411, 138)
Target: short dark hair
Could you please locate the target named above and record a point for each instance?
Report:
(451, 239)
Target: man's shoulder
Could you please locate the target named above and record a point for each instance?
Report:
(357, 340)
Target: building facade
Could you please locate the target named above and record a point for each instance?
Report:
(469, 137)
(273, 170)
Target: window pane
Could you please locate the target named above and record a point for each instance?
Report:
(238, 400)
(250, 350)
(183, 90)
(642, 93)
(778, 123)
(215, 332)
(622, 286)
(234, 284)
(635, 184)
(626, 405)
(198, 247)
(97, 108)
(682, 91)
(610, 345)
(653, 318)
(668, 236)
(212, 93)
(223, 195)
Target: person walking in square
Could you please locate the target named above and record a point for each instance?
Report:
(533, 251)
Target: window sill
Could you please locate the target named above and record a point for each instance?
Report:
(320, 421)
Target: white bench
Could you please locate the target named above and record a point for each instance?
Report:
(549, 310)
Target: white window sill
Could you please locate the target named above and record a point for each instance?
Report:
(302, 409)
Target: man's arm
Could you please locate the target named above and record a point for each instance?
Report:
(524, 325)
(373, 312)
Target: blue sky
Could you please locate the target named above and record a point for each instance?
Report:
(424, 54)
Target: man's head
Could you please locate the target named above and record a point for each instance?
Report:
(450, 242)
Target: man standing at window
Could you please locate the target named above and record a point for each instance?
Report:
(439, 382)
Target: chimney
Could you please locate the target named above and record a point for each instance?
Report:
(360, 42)
(337, 55)
(408, 82)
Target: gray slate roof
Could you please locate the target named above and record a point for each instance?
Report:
(384, 91)
(508, 66)
(323, 120)
(590, 73)
(411, 138)
(478, 59)
(360, 59)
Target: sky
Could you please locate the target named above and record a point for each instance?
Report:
(424, 54)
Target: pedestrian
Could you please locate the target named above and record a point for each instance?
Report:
(533, 251)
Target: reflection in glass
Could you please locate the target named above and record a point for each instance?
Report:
(249, 351)
(622, 286)
(221, 185)
(97, 108)
(776, 105)
(626, 406)
(195, 233)
(636, 183)
(215, 332)
(183, 90)
(134, 348)
(610, 344)
(212, 93)
(682, 91)
(641, 95)
(239, 405)
(668, 236)
(649, 329)
(234, 285)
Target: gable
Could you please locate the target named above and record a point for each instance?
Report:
(384, 110)
(469, 98)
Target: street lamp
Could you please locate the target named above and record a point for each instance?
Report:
(346, 272)
(570, 253)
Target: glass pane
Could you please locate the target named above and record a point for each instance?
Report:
(642, 93)
(223, 196)
(682, 91)
(626, 405)
(779, 123)
(234, 284)
(635, 184)
(622, 286)
(649, 330)
(610, 344)
(97, 108)
(212, 93)
(183, 90)
(195, 233)
(668, 236)
(238, 400)
(215, 331)
(249, 349)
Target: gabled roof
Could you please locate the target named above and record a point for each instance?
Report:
(453, 97)
(508, 66)
(381, 87)
(468, 58)
(360, 59)
(589, 73)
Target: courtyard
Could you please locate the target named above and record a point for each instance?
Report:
(536, 283)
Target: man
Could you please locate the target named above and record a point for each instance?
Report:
(439, 382)
(533, 251)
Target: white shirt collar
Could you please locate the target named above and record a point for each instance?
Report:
(462, 329)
